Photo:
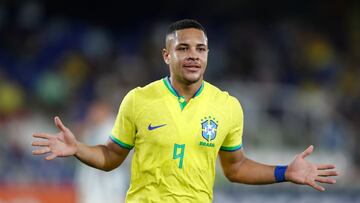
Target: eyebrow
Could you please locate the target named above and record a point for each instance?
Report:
(185, 44)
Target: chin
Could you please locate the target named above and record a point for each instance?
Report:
(191, 79)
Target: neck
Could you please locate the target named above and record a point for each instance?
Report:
(186, 90)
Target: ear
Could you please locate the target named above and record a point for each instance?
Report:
(166, 56)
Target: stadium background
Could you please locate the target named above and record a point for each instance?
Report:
(293, 65)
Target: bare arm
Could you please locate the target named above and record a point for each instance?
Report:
(238, 168)
(105, 157)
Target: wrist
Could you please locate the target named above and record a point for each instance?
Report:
(279, 173)
(76, 148)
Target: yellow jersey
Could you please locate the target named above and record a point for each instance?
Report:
(176, 143)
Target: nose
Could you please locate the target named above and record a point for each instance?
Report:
(192, 54)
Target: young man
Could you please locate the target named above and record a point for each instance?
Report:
(178, 125)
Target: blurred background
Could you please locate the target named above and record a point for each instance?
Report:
(294, 66)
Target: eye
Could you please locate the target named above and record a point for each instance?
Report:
(201, 49)
(182, 48)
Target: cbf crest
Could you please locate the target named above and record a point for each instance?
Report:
(209, 127)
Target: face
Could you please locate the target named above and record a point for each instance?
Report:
(186, 54)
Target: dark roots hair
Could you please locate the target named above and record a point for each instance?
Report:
(184, 24)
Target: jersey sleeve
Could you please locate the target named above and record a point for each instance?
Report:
(124, 130)
(233, 140)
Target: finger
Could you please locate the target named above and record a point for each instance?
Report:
(316, 186)
(41, 151)
(42, 135)
(51, 157)
(40, 143)
(59, 124)
(325, 166)
(328, 173)
(308, 151)
(325, 180)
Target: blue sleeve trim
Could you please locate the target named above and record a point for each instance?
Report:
(121, 144)
(230, 149)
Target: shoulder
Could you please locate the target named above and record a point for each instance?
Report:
(142, 96)
(220, 96)
(139, 98)
(148, 90)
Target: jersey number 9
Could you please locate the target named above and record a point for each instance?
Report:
(180, 155)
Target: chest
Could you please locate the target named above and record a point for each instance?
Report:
(200, 126)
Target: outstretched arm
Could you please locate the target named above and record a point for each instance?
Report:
(63, 144)
(238, 168)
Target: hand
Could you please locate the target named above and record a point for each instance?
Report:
(303, 172)
(61, 144)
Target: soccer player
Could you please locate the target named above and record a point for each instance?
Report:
(178, 126)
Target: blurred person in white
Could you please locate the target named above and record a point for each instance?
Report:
(98, 122)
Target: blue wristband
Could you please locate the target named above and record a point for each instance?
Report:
(279, 173)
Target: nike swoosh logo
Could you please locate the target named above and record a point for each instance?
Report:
(155, 127)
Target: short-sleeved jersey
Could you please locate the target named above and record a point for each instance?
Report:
(176, 143)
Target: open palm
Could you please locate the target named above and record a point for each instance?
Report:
(61, 144)
(303, 172)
